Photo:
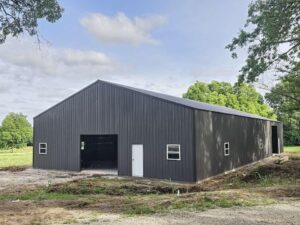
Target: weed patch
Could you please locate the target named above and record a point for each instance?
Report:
(37, 195)
(118, 188)
(198, 203)
(268, 175)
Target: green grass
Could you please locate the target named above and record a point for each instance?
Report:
(37, 195)
(199, 204)
(131, 203)
(295, 149)
(15, 157)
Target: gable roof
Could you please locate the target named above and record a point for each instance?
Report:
(191, 103)
(177, 100)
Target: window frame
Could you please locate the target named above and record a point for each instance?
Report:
(260, 144)
(45, 148)
(227, 148)
(173, 152)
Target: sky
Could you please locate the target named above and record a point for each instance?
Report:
(163, 46)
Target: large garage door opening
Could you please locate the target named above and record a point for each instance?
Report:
(99, 152)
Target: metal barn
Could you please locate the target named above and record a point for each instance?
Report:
(146, 134)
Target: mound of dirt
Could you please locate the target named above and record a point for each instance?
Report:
(289, 169)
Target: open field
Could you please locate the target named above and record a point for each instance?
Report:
(271, 186)
(289, 149)
(16, 157)
(292, 151)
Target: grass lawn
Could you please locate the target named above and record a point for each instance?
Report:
(16, 157)
(295, 149)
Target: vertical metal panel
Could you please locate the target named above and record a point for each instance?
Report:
(61, 127)
(135, 117)
(280, 127)
(213, 129)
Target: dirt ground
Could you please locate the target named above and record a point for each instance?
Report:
(97, 197)
(278, 214)
(14, 179)
(30, 178)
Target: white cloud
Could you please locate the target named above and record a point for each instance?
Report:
(162, 83)
(76, 57)
(33, 78)
(121, 29)
(208, 74)
(54, 61)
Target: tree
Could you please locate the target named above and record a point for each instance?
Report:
(17, 16)
(272, 35)
(285, 96)
(287, 106)
(15, 131)
(242, 97)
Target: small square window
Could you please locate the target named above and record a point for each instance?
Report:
(173, 152)
(226, 149)
(43, 148)
(260, 144)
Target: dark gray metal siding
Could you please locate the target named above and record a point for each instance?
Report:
(193, 104)
(213, 129)
(280, 134)
(135, 117)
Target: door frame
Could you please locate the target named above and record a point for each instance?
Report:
(79, 147)
(132, 160)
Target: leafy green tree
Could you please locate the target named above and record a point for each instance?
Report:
(17, 16)
(242, 97)
(272, 37)
(284, 98)
(15, 131)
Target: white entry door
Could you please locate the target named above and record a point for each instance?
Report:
(137, 161)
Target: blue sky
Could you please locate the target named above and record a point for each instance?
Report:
(158, 45)
(193, 38)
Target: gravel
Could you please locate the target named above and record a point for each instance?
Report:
(278, 214)
(35, 177)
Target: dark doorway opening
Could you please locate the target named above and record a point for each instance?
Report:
(275, 146)
(99, 151)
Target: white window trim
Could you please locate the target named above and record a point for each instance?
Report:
(43, 153)
(260, 144)
(225, 149)
(172, 152)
